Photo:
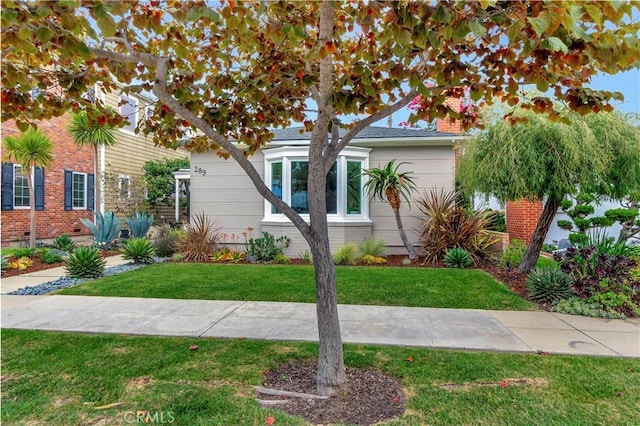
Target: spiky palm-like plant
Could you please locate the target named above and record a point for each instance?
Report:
(85, 262)
(90, 133)
(31, 149)
(389, 185)
(140, 250)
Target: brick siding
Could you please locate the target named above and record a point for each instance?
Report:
(522, 217)
(53, 220)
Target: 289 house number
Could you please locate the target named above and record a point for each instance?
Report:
(199, 170)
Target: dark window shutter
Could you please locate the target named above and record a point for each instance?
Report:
(68, 190)
(7, 186)
(39, 188)
(91, 192)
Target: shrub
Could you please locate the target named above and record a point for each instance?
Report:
(139, 250)
(226, 255)
(85, 262)
(346, 255)
(447, 225)
(372, 247)
(266, 247)
(21, 263)
(177, 257)
(373, 260)
(548, 285)
(512, 256)
(457, 257)
(139, 224)
(106, 229)
(64, 243)
(52, 256)
(578, 306)
(200, 239)
(306, 256)
(281, 259)
(5, 262)
(24, 252)
(497, 221)
(167, 241)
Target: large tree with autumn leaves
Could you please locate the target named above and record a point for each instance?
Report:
(235, 70)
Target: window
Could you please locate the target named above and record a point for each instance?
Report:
(129, 110)
(20, 188)
(124, 187)
(287, 172)
(15, 189)
(79, 191)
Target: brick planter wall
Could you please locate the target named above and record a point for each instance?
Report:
(522, 217)
(53, 220)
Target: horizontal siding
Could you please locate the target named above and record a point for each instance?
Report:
(227, 195)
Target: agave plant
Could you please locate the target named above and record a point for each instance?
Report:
(85, 262)
(140, 250)
(64, 243)
(457, 257)
(139, 224)
(548, 285)
(106, 229)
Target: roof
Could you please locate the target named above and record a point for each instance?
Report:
(371, 132)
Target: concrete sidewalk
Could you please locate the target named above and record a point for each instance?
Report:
(461, 329)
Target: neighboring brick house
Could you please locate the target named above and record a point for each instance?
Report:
(65, 191)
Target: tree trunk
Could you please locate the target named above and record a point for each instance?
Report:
(537, 239)
(97, 182)
(403, 236)
(32, 209)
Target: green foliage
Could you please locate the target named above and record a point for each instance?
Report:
(387, 184)
(621, 214)
(24, 252)
(106, 229)
(158, 174)
(51, 256)
(200, 239)
(306, 257)
(4, 262)
(166, 242)
(565, 224)
(372, 247)
(346, 255)
(139, 224)
(266, 247)
(446, 225)
(86, 132)
(368, 259)
(548, 285)
(581, 210)
(140, 250)
(64, 243)
(30, 149)
(85, 262)
(512, 256)
(549, 248)
(281, 259)
(603, 243)
(457, 257)
(177, 257)
(578, 306)
(497, 221)
(612, 301)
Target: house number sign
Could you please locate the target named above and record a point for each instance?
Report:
(200, 170)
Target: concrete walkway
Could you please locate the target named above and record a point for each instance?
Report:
(462, 329)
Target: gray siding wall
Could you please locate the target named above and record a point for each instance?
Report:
(227, 196)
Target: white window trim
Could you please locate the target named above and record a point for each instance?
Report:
(86, 184)
(13, 201)
(123, 178)
(287, 154)
(134, 123)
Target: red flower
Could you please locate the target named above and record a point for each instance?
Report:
(271, 420)
(504, 383)
(395, 399)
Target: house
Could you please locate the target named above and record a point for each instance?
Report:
(221, 190)
(65, 190)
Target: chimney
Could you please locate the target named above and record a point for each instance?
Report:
(450, 125)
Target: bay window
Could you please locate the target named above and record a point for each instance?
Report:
(287, 171)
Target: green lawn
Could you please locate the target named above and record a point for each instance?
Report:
(61, 379)
(392, 286)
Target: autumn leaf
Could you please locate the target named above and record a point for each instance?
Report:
(409, 358)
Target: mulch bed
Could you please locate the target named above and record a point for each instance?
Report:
(368, 397)
(41, 266)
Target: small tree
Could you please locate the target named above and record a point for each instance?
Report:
(31, 149)
(388, 185)
(533, 157)
(94, 133)
(158, 175)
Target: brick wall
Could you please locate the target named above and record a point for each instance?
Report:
(53, 220)
(522, 217)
